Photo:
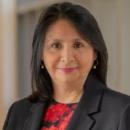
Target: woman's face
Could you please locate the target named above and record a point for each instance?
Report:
(66, 55)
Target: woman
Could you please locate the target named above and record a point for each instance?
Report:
(69, 71)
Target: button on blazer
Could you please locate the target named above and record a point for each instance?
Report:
(99, 108)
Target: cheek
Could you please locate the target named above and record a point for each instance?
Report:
(87, 59)
(50, 62)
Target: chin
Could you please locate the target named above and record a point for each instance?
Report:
(69, 80)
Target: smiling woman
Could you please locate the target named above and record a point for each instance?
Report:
(69, 71)
(64, 52)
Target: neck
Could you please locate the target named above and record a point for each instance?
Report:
(68, 93)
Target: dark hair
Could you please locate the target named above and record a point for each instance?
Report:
(87, 27)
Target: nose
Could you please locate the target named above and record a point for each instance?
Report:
(67, 55)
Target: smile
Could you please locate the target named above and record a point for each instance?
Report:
(68, 70)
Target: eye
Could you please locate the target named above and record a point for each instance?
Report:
(78, 44)
(56, 45)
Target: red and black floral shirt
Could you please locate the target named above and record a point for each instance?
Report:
(58, 116)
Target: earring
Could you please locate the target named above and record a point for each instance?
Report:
(95, 65)
(42, 67)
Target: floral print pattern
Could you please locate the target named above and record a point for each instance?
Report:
(58, 116)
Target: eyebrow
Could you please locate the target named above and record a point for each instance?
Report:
(59, 40)
(78, 39)
(54, 40)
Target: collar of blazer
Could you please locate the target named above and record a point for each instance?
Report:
(82, 118)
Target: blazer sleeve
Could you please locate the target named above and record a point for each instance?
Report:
(124, 123)
(8, 119)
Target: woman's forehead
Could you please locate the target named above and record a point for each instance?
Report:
(62, 29)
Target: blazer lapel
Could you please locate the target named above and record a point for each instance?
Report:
(34, 120)
(88, 106)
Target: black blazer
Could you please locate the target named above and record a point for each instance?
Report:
(99, 109)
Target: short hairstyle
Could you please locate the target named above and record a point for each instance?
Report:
(87, 27)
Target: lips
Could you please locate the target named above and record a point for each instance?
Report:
(68, 69)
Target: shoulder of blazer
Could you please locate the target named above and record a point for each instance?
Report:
(26, 103)
(20, 108)
(110, 100)
(115, 99)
